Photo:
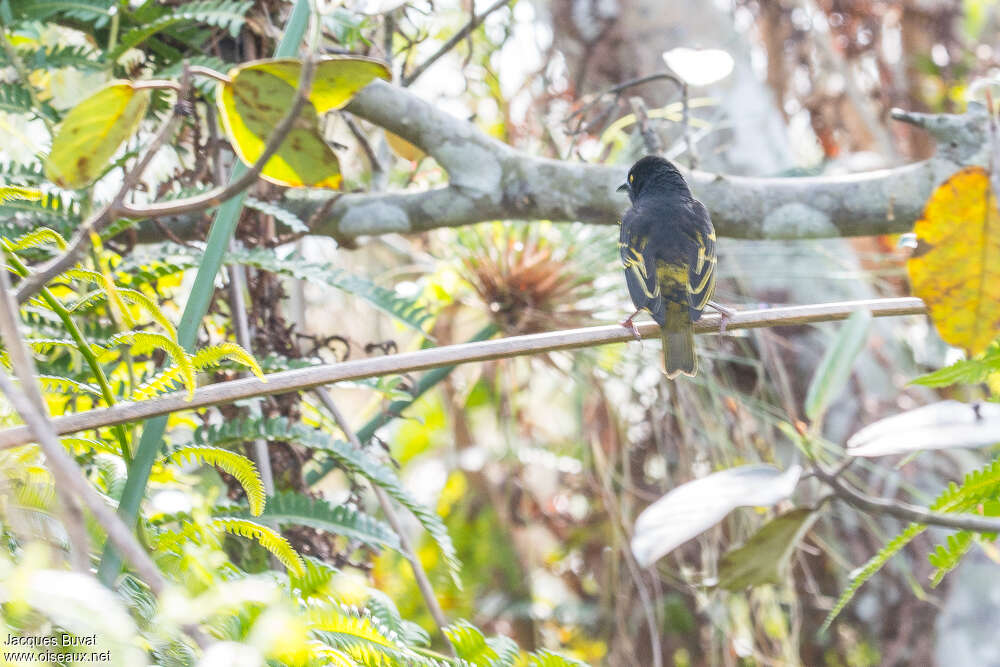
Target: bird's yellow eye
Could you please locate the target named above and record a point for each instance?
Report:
(631, 178)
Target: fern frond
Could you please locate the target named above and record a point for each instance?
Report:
(43, 236)
(546, 658)
(208, 357)
(166, 381)
(19, 192)
(108, 446)
(947, 556)
(135, 297)
(266, 537)
(866, 571)
(292, 221)
(237, 465)
(289, 508)
(143, 342)
(472, 646)
(350, 459)
(407, 311)
(59, 209)
(63, 385)
(361, 637)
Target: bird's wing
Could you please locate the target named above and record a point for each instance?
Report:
(640, 270)
(701, 269)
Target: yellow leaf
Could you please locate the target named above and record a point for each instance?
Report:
(251, 105)
(336, 81)
(92, 132)
(403, 148)
(956, 266)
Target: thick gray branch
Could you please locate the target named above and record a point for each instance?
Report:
(489, 180)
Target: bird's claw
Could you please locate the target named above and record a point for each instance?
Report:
(726, 315)
(630, 325)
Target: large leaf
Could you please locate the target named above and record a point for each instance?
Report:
(956, 266)
(696, 506)
(942, 425)
(835, 368)
(337, 78)
(256, 101)
(764, 558)
(91, 133)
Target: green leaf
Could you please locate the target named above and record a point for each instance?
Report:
(251, 105)
(764, 558)
(835, 369)
(349, 458)
(407, 311)
(92, 132)
(289, 508)
(237, 465)
(475, 649)
(267, 537)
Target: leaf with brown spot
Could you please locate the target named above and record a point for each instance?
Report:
(261, 92)
(251, 105)
(92, 132)
(958, 271)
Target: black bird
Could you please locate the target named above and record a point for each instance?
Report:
(667, 244)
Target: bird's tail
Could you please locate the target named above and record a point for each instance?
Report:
(678, 342)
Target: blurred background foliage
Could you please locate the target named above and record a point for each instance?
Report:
(537, 465)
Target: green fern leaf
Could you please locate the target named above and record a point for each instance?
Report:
(407, 311)
(352, 460)
(289, 508)
(145, 341)
(17, 193)
(209, 357)
(292, 221)
(361, 637)
(946, 557)
(266, 537)
(865, 572)
(475, 649)
(237, 465)
(545, 658)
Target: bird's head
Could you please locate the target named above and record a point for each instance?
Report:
(653, 174)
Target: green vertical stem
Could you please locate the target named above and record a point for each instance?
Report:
(81, 343)
(427, 381)
(223, 228)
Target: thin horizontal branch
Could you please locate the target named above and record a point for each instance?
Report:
(490, 180)
(906, 511)
(448, 355)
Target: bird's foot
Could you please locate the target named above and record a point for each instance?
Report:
(630, 325)
(725, 315)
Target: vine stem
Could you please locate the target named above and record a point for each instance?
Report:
(450, 355)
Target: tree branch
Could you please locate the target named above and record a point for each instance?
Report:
(489, 180)
(905, 511)
(455, 39)
(448, 355)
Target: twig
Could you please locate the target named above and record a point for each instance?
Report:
(423, 582)
(451, 43)
(905, 511)
(650, 137)
(618, 89)
(237, 284)
(97, 222)
(449, 355)
(221, 194)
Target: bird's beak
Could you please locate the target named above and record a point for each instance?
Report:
(622, 188)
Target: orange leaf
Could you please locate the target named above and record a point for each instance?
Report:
(956, 266)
